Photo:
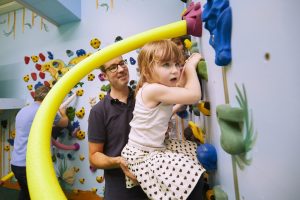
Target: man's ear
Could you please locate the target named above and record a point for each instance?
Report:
(105, 76)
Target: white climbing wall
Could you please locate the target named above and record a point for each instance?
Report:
(265, 54)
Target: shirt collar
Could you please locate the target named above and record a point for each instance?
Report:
(117, 101)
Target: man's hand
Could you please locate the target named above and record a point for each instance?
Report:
(62, 112)
(124, 167)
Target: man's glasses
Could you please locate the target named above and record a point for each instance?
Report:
(114, 67)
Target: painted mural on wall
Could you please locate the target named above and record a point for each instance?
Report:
(105, 5)
(29, 19)
(8, 22)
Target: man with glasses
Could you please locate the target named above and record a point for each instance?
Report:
(108, 130)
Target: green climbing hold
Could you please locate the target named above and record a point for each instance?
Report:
(202, 70)
(231, 123)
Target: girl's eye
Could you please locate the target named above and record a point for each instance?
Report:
(177, 65)
(166, 65)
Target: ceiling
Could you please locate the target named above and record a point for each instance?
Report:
(65, 11)
(7, 6)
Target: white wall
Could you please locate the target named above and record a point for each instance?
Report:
(261, 27)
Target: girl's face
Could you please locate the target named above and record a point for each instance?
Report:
(167, 73)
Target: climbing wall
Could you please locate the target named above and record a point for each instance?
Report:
(25, 64)
(264, 41)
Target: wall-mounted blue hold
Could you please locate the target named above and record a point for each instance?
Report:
(39, 84)
(50, 55)
(207, 155)
(217, 16)
(80, 52)
(132, 61)
(211, 12)
(11, 141)
(183, 114)
(223, 38)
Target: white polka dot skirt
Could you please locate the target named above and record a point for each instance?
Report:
(165, 174)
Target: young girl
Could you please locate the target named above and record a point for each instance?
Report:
(165, 169)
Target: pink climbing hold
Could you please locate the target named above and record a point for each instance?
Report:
(59, 145)
(193, 19)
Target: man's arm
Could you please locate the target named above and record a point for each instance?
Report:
(64, 120)
(99, 160)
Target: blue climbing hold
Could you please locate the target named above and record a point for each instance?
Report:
(217, 16)
(39, 84)
(223, 38)
(80, 52)
(50, 55)
(207, 155)
(132, 61)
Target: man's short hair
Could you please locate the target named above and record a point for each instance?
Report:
(41, 92)
(102, 68)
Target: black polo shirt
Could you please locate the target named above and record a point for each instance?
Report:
(109, 124)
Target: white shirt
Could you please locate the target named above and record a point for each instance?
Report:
(149, 125)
